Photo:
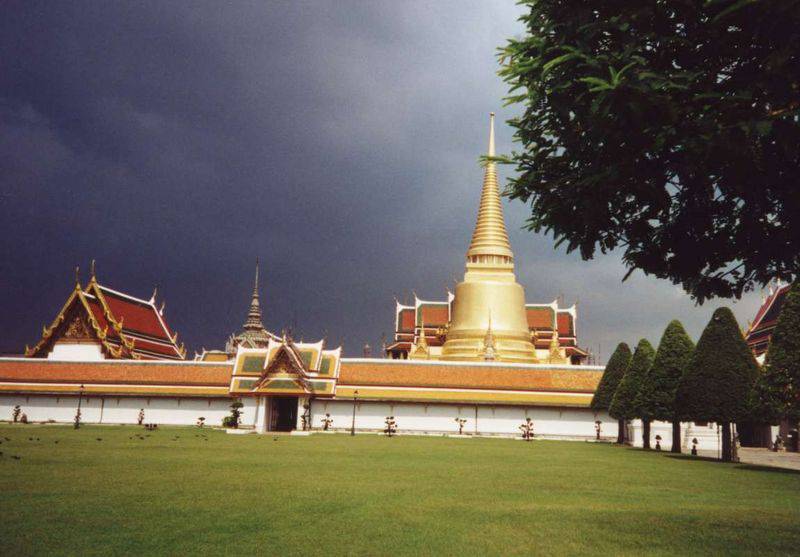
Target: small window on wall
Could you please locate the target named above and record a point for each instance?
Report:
(701, 424)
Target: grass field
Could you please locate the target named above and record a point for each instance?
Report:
(118, 490)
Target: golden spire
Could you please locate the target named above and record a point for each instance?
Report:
(489, 287)
(490, 237)
(422, 341)
(488, 342)
(555, 345)
(420, 348)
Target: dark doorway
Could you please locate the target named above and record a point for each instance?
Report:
(284, 413)
(753, 435)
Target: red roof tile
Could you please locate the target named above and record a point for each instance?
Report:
(434, 316)
(136, 316)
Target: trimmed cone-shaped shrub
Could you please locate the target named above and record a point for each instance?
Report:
(615, 370)
(623, 405)
(777, 394)
(656, 398)
(718, 384)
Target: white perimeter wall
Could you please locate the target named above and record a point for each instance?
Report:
(708, 438)
(125, 410)
(563, 423)
(482, 420)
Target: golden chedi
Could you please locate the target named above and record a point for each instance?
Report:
(489, 299)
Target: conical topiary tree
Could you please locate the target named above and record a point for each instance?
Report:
(623, 405)
(777, 394)
(615, 370)
(656, 398)
(718, 384)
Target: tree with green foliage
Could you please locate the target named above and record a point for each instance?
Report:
(671, 128)
(656, 398)
(718, 384)
(623, 405)
(612, 375)
(777, 393)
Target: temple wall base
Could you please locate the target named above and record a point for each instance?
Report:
(439, 419)
(124, 410)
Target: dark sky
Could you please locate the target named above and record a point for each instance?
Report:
(176, 142)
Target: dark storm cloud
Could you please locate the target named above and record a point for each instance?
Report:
(338, 142)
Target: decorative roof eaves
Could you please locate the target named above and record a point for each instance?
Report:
(47, 332)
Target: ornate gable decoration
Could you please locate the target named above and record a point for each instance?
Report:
(76, 322)
(77, 329)
(285, 374)
(286, 368)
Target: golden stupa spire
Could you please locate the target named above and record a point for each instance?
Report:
(488, 309)
(490, 237)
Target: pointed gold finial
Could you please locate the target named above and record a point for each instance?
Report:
(420, 348)
(491, 134)
(490, 239)
(489, 347)
(77, 277)
(92, 276)
(555, 356)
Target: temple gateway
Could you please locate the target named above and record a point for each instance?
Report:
(481, 362)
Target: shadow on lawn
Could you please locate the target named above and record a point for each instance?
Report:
(739, 465)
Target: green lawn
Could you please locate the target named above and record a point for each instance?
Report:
(103, 490)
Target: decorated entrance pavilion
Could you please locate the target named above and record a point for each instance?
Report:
(283, 379)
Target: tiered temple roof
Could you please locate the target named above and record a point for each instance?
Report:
(432, 317)
(125, 327)
(253, 334)
(760, 330)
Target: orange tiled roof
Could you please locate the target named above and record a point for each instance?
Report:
(465, 376)
(36, 370)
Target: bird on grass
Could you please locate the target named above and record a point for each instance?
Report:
(15, 457)
(99, 438)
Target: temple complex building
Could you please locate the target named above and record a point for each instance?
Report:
(429, 319)
(483, 360)
(97, 322)
(487, 319)
(759, 331)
